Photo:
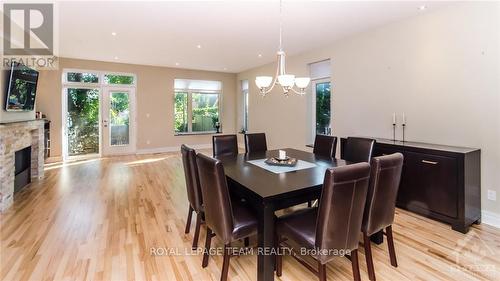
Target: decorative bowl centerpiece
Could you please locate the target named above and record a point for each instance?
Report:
(282, 160)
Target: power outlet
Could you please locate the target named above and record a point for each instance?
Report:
(149, 142)
(492, 195)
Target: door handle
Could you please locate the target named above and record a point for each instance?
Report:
(429, 162)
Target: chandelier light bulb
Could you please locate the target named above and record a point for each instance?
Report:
(286, 80)
(302, 82)
(263, 81)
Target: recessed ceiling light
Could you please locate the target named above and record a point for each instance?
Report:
(113, 33)
(260, 55)
(198, 46)
(116, 58)
(423, 7)
(177, 63)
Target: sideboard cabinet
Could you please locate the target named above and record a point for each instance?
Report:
(440, 182)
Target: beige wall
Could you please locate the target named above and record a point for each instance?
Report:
(154, 95)
(441, 68)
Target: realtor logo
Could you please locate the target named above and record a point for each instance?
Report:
(28, 35)
(28, 29)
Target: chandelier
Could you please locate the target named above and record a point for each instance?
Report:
(286, 81)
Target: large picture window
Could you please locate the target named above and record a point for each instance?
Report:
(196, 106)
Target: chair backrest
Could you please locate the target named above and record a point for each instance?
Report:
(255, 142)
(225, 145)
(192, 178)
(341, 209)
(358, 149)
(382, 192)
(216, 200)
(325, 146)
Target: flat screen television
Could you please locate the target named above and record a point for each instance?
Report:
(21, 89)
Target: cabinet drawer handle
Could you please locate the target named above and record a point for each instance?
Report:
(429, 162)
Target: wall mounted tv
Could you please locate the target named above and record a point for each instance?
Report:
(21, 89)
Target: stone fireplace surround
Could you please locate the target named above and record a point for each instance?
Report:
(13, 137)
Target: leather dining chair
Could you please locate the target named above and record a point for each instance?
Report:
(229, 220)
(358, 149)
(325, 146)
(225, 145)
(334, 226)
(193, 191)
(255, 142)
(381, 204)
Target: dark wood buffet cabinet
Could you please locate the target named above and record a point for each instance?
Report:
(440, 182)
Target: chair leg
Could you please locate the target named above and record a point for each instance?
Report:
(247, 241)
(321, 271)
(225, 263)
(197, 231)
(206, 253)
(390, 244)
(188, 223)
(355, 265)
(279, 258)
(369, 257)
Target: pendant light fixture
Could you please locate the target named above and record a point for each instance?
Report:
(286, 81)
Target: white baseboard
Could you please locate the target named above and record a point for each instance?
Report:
(53, 159)
(171, 148)
(490, 218)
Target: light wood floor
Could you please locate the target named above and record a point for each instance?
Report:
(99, 219)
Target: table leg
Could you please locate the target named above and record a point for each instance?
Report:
(265, 261)
(378, 238)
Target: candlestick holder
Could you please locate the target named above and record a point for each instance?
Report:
(404, 126)
(394, 131)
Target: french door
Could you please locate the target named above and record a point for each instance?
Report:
(100, 121)
(118, 121)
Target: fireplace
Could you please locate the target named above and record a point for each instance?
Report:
(21, 157)
(22, 168)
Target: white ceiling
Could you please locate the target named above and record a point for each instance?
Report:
(231, 33)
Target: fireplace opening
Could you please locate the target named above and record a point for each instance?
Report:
(22, 168)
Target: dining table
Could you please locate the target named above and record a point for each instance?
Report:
(266, 189)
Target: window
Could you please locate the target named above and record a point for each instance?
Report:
(321, 99)
(116, 79)
(244, 91)
(82, 77)
(323, 111)
(196, 106)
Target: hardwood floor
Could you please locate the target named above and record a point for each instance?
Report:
(99, 219)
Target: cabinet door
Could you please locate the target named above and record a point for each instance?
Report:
(409, 195)
(438, 183)
(381, 151)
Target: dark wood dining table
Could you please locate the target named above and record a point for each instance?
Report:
(265, 192)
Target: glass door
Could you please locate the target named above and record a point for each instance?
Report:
(118, 121)
(82, 130)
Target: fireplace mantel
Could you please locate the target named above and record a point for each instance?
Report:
(13, 137)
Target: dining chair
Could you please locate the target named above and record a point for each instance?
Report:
(193, 191)
(333, 228)
(325, 146)
(229, 220)
(358, 149)
(225, 145)
(255, 142)
(381, 204)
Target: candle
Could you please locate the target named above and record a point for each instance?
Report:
(404, 119)
(394, 118)
(282, 154)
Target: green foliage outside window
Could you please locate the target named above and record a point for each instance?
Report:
(83, 121)
(118, 79)
(323, 112)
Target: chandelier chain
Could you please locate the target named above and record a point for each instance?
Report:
(281, 26)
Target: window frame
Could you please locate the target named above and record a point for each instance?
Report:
(190, 93)
(313, 91)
